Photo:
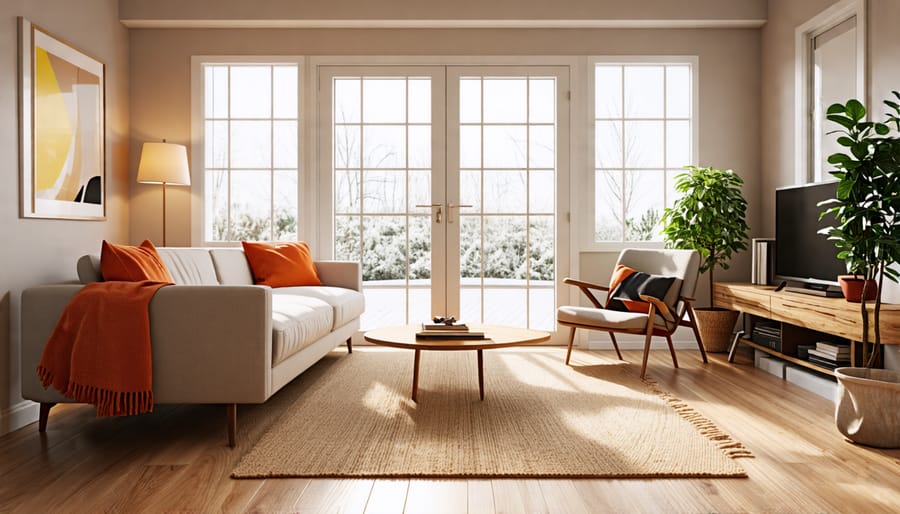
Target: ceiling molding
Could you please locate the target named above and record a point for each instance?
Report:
(442, 24)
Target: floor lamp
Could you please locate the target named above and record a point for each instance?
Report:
(166, 164)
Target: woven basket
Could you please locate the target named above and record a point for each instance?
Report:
(716, 328)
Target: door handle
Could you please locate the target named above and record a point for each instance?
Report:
(450, 211)
(437, 215)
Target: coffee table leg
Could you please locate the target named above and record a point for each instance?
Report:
(481, 374)
(416, 376)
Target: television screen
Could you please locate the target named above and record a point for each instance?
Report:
(801, 253)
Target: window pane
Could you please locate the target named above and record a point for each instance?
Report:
(419, 146)
(285, 144)
(216, 92)
(504, 146)
(419, 101)
(643, 91)
(216, 144)
(346, 238)
(384, 146)
(284, 87)
(346, 191)
(644, 205)
(608, 145)
(505, 100)
(251, 144)
(608, 91)
(420, 191)
(505, 191)
(384, 100)
(470, 258)
(678, 143)
(504, 247)
(470, 146)
(470, 189)
(384, 191)
(541, 146)
(470, 101)
(347, 100)
(541, 249)
(542, 101)
(608, 206)
(251, 200)
(470, 304)
(420, 304)
(383, 307)
(384, 251)
(215, 203)
(542, 192)
(505, 306)
(678, 91)
(541, 309)
(644, 144)
(420, 249)
(285, 205)
(346, 146)
(251, 92)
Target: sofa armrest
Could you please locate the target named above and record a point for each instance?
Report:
(346, 274)
(210, 344)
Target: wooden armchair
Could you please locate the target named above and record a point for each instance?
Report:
(656, 317)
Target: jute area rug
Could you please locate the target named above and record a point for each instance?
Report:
(539, 418)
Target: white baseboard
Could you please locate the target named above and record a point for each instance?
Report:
(17, 416)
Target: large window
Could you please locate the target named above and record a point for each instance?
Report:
(251, 150)
(644, 116)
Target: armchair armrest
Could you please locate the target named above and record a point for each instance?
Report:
(661, 308)
(586, 289)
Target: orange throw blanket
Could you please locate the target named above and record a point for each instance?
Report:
(99, 352)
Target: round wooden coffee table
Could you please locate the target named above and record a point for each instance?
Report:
(495, 337)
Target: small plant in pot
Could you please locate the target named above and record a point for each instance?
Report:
(709, 217)
(867, 212)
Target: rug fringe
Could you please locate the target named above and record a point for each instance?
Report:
(707, 428)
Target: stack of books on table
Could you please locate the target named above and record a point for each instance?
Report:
(830, 355)
(444, 331)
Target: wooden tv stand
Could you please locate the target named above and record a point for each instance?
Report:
(804, 318)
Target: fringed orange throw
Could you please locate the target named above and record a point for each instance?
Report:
(99, 352)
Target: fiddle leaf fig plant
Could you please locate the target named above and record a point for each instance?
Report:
(867, 206)
(709, 216)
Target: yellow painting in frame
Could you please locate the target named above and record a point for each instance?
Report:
(62, 99)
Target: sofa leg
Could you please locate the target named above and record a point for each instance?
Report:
(231, 414)
(44, 414)
(349, 346)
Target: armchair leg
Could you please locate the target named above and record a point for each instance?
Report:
(690, 311)
(231, 414)
(349, 345)
(44, 415)
(571, 340)
(672, 350)
(612, 338)
(646, 352)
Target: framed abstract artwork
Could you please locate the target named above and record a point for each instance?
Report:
(62, 129)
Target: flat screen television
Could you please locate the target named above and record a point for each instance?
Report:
(805, 259)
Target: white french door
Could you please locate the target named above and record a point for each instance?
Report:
(445, 185)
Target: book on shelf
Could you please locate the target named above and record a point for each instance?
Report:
(824, 346)
(829, 356)
(828, 364)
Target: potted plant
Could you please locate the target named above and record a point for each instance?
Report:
(867, 213)
(709, 217)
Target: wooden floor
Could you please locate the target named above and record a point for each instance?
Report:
(176, 459)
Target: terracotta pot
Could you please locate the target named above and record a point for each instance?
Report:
(852, 288)
(716, 327)
(868, 406)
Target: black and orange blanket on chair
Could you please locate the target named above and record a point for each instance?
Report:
(100, 351)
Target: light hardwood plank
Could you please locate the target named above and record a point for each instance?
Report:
(518, 496)
(335, 496)
(436, 497)
(387, 496)
(481, 497)
(278, 495)
(563, 498)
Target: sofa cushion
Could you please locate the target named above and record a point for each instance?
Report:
(132, 263)
(231, 266)
(281, 264)
(189, 266)
(347, 304)
(297, 321)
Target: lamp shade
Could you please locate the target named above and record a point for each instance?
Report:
(164, 163)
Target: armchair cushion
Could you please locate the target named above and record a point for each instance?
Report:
(601, 318)
(627, 285)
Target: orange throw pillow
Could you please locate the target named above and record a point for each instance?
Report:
(281, 265)
(132, 263)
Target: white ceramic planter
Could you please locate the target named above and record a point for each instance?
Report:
(868, 406)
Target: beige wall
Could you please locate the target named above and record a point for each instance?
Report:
(459, 9)
(40, 251)
(160, 78)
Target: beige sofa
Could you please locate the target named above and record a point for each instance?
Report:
(216, 337)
